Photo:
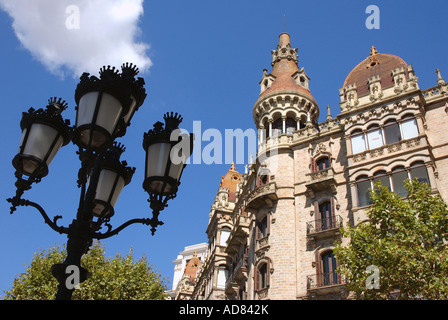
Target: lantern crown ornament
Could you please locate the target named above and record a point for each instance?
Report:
(106, 105)
(58, 104)
(172, 121)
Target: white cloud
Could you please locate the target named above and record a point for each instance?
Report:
(72, 37)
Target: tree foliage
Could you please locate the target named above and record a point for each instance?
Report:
(406, 238)
(120, 278)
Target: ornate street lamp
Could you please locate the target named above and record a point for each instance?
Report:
(105, 108)
(114, 175)
(166, 155)
(44, 132)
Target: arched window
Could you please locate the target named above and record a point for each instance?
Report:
(277, 127)
(328, 267)
(419, 172)
(263, 227)
(326, 216)
(383, 178)
(358, 141)
(392, 132)
(291, 125)
(363, 186)
(262, 276)
(409, 127)
(322, 163)
(399, 176)
(374, 137)
(265, 130)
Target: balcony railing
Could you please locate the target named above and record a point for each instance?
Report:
(239, 234)
(260, 195)
(321, 180)
(319, 225)
(325, 280)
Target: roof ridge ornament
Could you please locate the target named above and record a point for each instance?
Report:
(373, 61)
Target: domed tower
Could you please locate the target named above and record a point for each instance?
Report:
(376, 78)
(285, 103)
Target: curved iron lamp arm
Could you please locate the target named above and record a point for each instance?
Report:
(153, 222)
(52, 223)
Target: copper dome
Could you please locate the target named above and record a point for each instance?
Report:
(376, 64)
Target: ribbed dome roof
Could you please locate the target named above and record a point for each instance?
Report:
(376, 64)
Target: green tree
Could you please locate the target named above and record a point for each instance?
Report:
(406, 239)
(120, 278)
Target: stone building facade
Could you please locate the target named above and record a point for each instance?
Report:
(272, 229)
(186, 266)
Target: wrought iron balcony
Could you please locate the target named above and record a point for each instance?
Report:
(237, 274)
(325, 280)
(328, 225)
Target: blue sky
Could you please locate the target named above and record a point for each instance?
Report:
(207, 58)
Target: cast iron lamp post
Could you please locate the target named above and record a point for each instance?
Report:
(105, 108)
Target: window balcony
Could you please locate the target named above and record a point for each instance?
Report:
(262, 243)
(407, 145)
(239, 234)
(322, 228)
(262, 195)
(237, 275)
(321, 180)
(238, 272)
(326, 283)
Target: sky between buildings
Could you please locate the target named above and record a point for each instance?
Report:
(202, 59)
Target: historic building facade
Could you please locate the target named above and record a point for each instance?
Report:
(186, 266)
(272, 229)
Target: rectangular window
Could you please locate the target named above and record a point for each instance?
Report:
(224, 236)
(409, 128)
(222, 278)
(375, 138)
(323, 164)
(358, 143)
(263, 277)
(392, 133)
